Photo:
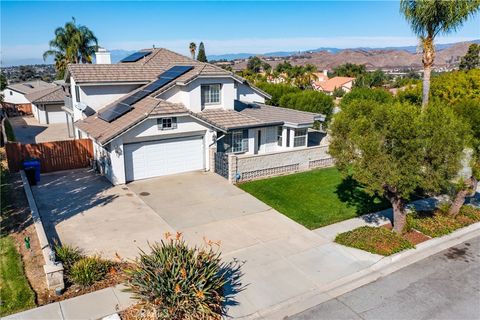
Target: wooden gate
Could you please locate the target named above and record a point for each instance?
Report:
(53, 156)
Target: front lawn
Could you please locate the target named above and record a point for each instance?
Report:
(15, 292)
(315, 198)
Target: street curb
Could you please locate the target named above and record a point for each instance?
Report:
(385, 266)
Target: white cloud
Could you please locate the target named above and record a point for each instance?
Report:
(249, 45)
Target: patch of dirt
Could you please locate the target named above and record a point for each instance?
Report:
(17, 222)
(114, 277)
(415, 237)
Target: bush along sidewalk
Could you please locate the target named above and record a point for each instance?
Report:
(420, 227)
(84, 274)
(176, 281)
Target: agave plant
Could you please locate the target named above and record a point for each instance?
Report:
(183, 282)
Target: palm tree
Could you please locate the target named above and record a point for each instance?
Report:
(193, 49)
(72, 44)
(429, 18)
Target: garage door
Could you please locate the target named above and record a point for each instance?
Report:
(163, 157)
(55, 114)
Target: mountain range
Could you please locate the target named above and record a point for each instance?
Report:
(324, 57)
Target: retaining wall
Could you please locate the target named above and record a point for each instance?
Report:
(251, 167)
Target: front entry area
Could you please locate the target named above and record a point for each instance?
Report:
(163, 157)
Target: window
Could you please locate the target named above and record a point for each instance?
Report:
(211, 94)
(11, 92)
(300, 138)
(239, 141)
(77, 93)
(167, 123)
(279, 136)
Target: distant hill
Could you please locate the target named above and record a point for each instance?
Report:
(234, 56)
(448, 56)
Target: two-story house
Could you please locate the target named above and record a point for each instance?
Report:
(158, 113)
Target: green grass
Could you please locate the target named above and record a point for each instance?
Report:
(315, 198)
(375, 240)
(15, 292)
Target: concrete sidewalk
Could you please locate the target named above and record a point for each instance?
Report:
(95, 305)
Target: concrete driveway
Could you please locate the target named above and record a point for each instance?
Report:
(28, 130)
(83, 209)
(281, 259)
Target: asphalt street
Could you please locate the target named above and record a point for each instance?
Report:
(443, 286)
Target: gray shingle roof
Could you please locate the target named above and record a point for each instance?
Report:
(49, 95)
(30, 86)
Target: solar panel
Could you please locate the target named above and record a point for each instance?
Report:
(115, 112)
(125, 105)
(136, 56)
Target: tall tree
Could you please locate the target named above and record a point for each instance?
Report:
(471, 59)
(193, 49)
(429, 18)
(202, 57)
(72, 43)
(254, 64)
(393, 149)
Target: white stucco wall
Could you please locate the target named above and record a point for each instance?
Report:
(149, 129)
(247, 94)
(12, 96)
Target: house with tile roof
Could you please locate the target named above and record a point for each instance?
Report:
(16, 93)
(48, 105)
(158, 113)
(329, 85)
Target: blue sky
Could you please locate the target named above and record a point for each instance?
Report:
(225, 27)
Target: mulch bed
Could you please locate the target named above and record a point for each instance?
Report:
(415, 237)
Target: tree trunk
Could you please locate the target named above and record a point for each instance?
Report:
(426, 86)
(399, 214)
(427, 59)
(398, 206)
(461, 195)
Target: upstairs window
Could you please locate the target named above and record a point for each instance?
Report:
(211, 94)
(167, 123)
(300, 139)
(77, 93)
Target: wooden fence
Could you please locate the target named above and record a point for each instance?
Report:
(17, 109)
(53, 156)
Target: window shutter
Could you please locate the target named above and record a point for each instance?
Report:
(159, 124)
(174, 123)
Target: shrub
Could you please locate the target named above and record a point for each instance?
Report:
(434, 226)
(67, 255)
(88, 270)
(469, 212)
(375, 240)
(181, 282)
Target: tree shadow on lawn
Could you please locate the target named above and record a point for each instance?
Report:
(351, 192)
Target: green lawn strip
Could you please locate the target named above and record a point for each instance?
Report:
(315, 198)
(374, 240)
(15, 292)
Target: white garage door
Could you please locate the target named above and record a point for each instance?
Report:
(163, 157)
(55, 114)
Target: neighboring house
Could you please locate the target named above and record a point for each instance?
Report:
(159, 113)
(328, 86)
(47, 105)
(15, 93)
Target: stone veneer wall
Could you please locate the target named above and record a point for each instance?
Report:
(251, 167)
